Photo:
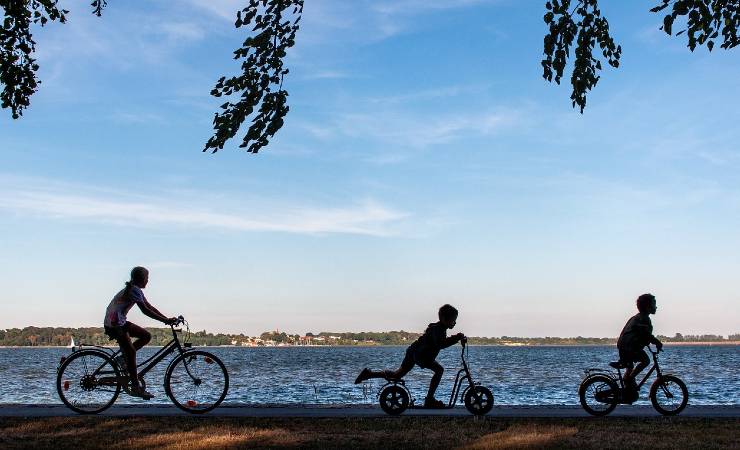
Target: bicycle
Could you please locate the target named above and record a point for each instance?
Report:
(395, 398)
(90, 379)
(601, 391)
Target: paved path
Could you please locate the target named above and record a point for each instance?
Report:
(360, 411)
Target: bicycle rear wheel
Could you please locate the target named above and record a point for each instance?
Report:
(196, 381)
(88, 381)
(669, 395)
(598, 395)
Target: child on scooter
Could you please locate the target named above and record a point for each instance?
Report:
(636, 335)
(423, 352)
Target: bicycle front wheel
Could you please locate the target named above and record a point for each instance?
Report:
(669, 395)
(88, 381)
(196, 381)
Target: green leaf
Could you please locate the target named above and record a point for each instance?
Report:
(668, 24)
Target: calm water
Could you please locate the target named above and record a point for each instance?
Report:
(295, 375)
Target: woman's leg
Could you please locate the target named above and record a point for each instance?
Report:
(129, 353)
(142, 336)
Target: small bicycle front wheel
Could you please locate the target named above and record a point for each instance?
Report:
(478, 400)
(394, 399)
(196, 381)
(669, 395)
(88, 382)
(599, 395)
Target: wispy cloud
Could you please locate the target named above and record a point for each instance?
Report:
(430, 94)
(61, 201)
(340, 20)
(325, 75)
(414, 130)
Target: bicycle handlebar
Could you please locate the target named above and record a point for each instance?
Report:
(651, 350)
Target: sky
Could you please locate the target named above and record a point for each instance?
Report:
(424, 161)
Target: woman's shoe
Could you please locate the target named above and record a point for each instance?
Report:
(138, 391)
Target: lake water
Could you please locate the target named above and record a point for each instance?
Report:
(325, 375)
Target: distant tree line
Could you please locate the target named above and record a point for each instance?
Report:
(52, 336)
(55, 336)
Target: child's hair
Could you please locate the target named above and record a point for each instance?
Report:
(447, 312)
(644, 301)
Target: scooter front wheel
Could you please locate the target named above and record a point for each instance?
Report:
(394, 399)
(478, 400)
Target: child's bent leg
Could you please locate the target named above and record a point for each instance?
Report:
(643, 361)
(438, 371)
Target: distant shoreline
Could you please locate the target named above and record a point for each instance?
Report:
(668, 344)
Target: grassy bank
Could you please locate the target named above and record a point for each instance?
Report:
(359, 433)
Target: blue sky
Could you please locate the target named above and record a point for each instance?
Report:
(424, 161)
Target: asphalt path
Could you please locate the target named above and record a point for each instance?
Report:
(232, 410)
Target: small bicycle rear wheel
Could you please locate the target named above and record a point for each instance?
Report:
(88, 382)
(599, 395)
(196, 381)
(478, 400)
(394, 399)
(669, 395)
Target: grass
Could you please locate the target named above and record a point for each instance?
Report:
(360, 433)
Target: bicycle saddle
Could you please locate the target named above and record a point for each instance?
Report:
(618, 365)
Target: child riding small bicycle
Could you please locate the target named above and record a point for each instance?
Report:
(423, 352)
(636, 335)
(118, 328)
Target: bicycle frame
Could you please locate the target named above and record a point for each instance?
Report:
(145, 366)
(654, 368)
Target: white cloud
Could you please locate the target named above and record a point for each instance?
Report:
(63, 201)
(325, 75)
(415, 130)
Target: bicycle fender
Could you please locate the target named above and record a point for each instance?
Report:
(181, 355)
(657, 379)
(600, 373)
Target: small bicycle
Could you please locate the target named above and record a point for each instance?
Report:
(602, 390)
(90, 379)
(395, 398)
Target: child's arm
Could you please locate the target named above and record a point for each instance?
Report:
(653, 340)
(452, 340)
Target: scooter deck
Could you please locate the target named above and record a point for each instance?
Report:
(430, 409)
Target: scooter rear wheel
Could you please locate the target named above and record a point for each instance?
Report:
(394, 399)
(478, 400)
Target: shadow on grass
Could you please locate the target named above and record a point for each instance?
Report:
(80, 433)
